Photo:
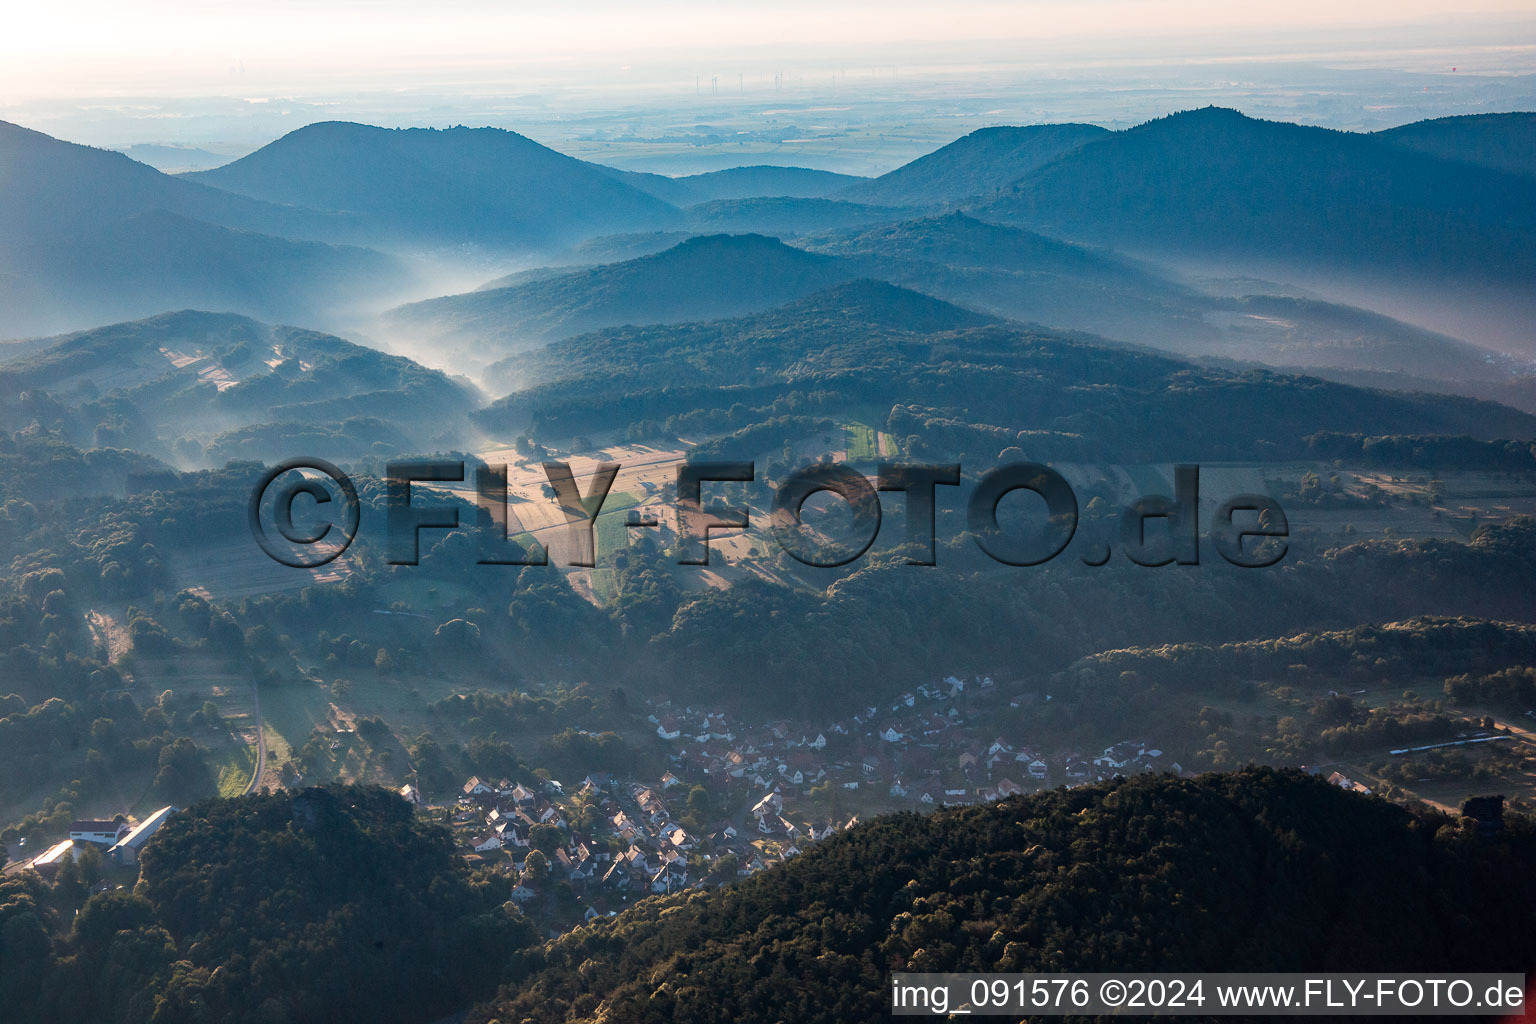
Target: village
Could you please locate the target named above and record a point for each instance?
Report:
(738, 797)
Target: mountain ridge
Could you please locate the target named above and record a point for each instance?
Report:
(1182, 181)
(421, 185)
(972, 165)
(700, 278)
(1502, 142)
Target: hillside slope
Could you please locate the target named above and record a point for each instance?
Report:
(55, 188)
(1215, 182)
(975, 165)
(965, 384)
(699, 279)
(739, 183)
(191, 386)
(274, 907)
(1501, 142)
(1258, 871)
(422, 186)
(156, 261)
(1444, 244)
(783, 216)
(88, 235)
(1026, 276)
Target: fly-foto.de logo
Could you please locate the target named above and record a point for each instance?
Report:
(305, 512)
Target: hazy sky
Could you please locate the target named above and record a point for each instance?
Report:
(166, 47)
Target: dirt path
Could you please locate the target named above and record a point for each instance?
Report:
(1439, 806)
(1513, 728)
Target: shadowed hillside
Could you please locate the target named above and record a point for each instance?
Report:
(1502, 142)
(88, 235)
(55, 188)
(208, 387)
(1444, 244)
(929, 368)
(1257, 871)
(157, 260)
(739, 183)
(783, 216)
(699, 279)
(1215, 183)
(980, 163)
(426, 187)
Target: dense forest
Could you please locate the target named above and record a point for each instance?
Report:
(335, 904)
(1261, 870)
(323, 905)
(950, 381)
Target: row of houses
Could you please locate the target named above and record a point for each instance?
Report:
(633, 845)
(920, 746)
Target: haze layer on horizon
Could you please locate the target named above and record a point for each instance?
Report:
(676, 87)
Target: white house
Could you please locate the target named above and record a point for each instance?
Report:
(769, 805)
(100, 832)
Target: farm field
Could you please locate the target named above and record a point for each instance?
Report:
(862, 443)
(239, 568)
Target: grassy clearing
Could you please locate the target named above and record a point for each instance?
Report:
(425, 595)
(233, 763)
(604, 586)
(293, 712)
(619, 502)
(863, 444)
(610, 535)
(279, 750)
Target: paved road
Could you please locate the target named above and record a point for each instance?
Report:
(261, 740)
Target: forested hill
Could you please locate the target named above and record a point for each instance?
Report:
(700, 278)
(423, 186)
(330, 905)
(339, 904)
(975, 165)
(1503, 142)
(1262, 870)
(868, 344)
(1219, 184)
